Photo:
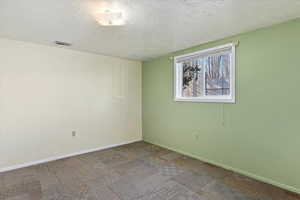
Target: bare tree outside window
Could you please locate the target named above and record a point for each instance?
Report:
(206, 75)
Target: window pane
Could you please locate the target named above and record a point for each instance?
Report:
(217, 74)
(192, 78)
(206, 75)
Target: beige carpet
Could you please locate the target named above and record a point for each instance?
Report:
(138, 171)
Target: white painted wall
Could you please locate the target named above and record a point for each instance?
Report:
(47, 92)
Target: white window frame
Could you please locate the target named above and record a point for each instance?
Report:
(178, 75)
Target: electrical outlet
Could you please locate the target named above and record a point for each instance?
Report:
(196, 135)
(73, 133)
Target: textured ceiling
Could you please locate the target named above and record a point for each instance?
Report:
(154, 27)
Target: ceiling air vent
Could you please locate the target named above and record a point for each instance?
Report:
(201, 2)
(60, 43)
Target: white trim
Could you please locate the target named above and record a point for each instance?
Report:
(208, 99)
(205, 51)
(236, 170)
(219, 99)
(232, 78)
(6, 169)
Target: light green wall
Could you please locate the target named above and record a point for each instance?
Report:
(260, 136)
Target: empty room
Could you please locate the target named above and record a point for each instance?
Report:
(149, 99)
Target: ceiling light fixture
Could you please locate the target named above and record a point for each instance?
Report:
(110, 18)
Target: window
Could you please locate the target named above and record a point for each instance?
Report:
(206, 76)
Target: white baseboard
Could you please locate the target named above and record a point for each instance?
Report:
(6, 169)
(239, 171)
